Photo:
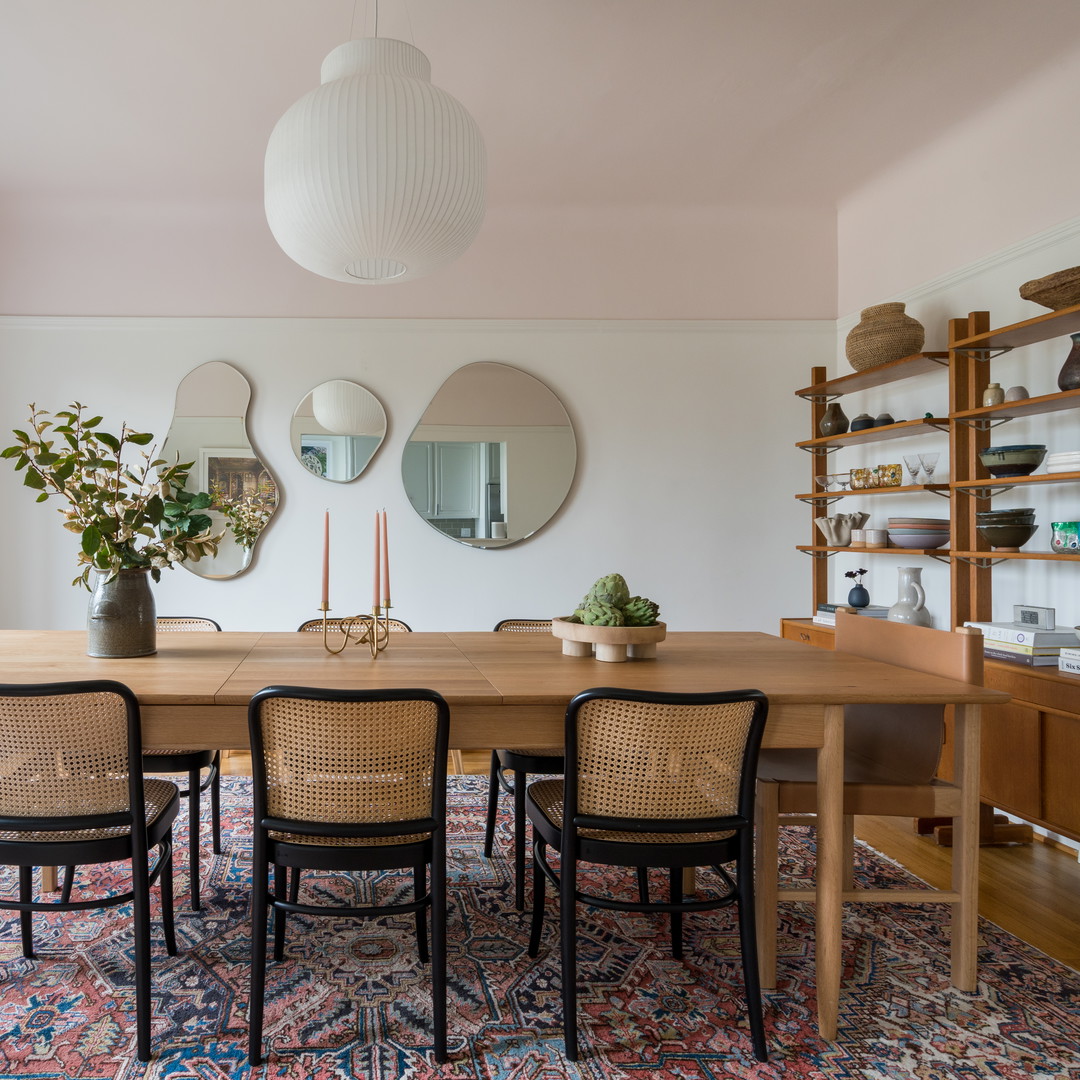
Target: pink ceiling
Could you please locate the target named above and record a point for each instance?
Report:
(651, 125)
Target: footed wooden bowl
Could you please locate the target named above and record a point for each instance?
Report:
(613, 644)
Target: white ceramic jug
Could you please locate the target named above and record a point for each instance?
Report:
(911, 600)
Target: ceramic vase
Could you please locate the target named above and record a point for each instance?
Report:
(910, 606)
(834, 422)
(884, 333)
(1069, 375)
(121, 620)
(858, 597)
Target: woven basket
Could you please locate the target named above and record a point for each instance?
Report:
(1056, 291)
(884, 334)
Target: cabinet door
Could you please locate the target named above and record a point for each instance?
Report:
(1012, 759)
(418, 475)
(457, 480)
(1061, 737)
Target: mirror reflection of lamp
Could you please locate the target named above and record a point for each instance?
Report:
(344, 408)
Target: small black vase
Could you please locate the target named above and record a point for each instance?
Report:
(834, 422)
(858, 597)
(1069, 375)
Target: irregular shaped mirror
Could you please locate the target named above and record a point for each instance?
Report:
(492, 458)
(209, 428)
(336, 430)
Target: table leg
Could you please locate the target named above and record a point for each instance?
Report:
(830, 871)
(965, 853)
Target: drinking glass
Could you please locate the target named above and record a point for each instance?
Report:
(929, 464)
(913, 465)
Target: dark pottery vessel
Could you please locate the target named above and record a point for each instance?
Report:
(1069, 375)
(121, 619)
(834, 422)
(858, 597)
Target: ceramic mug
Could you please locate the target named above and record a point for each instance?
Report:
(877, 537)
(858, 538)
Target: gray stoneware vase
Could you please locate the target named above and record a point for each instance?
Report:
(121, 620)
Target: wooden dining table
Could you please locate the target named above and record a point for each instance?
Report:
(512, 689)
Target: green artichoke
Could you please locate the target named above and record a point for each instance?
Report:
(598, 613)
(610, 589)
(640, 611)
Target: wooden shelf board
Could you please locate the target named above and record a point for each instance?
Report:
(1047, 403)
(886, 550)
(878, 434)
(904, 368)
(1052, 556)
(1017, 481)
(817, 496)
(1041, 328)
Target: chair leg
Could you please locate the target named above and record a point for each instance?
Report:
(419, 886)
(279, 915)
(643, 884)
(215, 804)
(194, 779)
(539, 882)
(520, 818)
(568, 950)
(749, 946)
(26, 918)
(492, 805)
(140, 887)
(259, 900)
(766, 863)
(676, 892)
(165, 884)
(438, 946)
(69, 880)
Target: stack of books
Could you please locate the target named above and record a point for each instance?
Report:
(826, 613)
(1021, 645)
(1069, 660)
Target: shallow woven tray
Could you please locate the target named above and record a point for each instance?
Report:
(1055, 291)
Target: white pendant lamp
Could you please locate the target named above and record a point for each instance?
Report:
(377, 176)
(344, 408)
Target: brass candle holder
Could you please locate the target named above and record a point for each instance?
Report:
(372, 630)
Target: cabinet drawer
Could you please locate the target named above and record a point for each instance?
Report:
(1050, 690)
(808, 632)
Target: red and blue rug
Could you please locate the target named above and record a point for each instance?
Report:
(351, 999)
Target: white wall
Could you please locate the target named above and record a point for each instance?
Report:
(684, 484)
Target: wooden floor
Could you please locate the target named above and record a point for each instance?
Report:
(1030, 890)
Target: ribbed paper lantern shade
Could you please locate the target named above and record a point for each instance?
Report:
(343, 408)
(376, 176)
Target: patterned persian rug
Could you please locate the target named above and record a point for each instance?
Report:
(351, 999)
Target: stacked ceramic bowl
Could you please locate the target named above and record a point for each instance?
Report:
(910, 532)
(1018, 460)
(1007, 530)
(1066, 461)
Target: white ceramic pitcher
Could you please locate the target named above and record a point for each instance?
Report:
(910, 606)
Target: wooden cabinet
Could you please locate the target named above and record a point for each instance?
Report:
(442, 479)
(1031, 747)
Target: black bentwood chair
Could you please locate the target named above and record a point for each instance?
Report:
(348, 780)
(192, 762)
(521, 762)
(652, 780)
(72, 793)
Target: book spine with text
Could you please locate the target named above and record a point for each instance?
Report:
(1021, 635)
(1020, 658)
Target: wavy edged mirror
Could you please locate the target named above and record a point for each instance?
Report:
(492, 458)
(336, 430)
(209, 428)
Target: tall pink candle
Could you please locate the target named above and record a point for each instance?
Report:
(326, 562)
(375, 580)
(385, 564)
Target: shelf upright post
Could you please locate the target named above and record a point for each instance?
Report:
(968, 378)
(820, 572)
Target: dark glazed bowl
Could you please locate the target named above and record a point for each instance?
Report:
(1006, 536)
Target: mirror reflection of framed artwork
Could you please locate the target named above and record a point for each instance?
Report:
(232, 473)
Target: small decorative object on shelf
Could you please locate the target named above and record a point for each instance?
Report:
(1017, 393)
(833, 422)
(610, 621)
(1069, 375)
(910, 606)
(1065, 538)
(858, 597)
(1055, 291)
(884, 333)
(993, 395)
(862, 422)
(882, 419)
(837, 529)
(876, 477)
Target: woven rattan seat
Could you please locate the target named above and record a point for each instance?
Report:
(348, 780)
(192, 762)
(652, 780)
(522, 763)
(72, 792)
(334, 626)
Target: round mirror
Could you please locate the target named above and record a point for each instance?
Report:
(336, 430)
(209, 429)
(492, 458)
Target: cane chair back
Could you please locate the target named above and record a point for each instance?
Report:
(72, 792)
(348, 780)
(521, 761)
(335, 626)
(891, 756)
(652, 780)
(185, 622)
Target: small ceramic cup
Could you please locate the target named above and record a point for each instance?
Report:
(877, 537)
(858, 538)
